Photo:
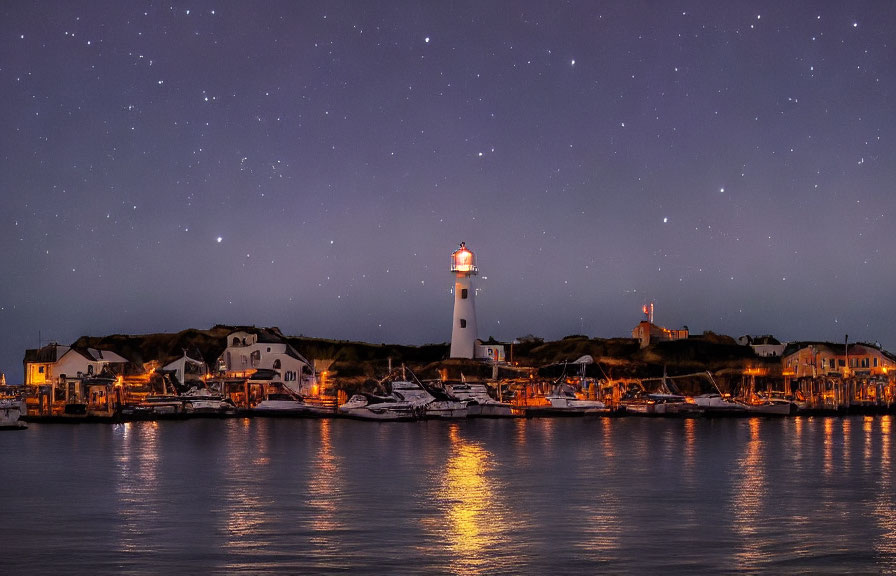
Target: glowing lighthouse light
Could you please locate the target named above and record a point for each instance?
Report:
(463, 331)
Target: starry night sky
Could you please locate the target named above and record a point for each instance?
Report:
(312, 165)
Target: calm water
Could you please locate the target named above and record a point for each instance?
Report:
(540, 496)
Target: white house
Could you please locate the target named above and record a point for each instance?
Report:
(266, 349)
(767, 346)
(54, 364)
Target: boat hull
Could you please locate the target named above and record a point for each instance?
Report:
(288, 409)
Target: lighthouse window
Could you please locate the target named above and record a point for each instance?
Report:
(463, 294)
(463, 323)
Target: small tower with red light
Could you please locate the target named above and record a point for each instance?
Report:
(463, 331)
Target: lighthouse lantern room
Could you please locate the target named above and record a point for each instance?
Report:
(463, 332)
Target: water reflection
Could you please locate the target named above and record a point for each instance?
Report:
(828, 447)
(136, 484)
(747, 499)
(325, 490)
(846, 428)
(243, 504)
(884, 506)
(868, 429)
(474, 522)
(599, 506)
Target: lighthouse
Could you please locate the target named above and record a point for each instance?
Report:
(463, 331)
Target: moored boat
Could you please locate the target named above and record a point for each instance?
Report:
(479, 401)
(287, 405)
(405, 400)
(715, 404)
(11, 411)
(383, 408)
(563, 401)
(769, 407)
(203, 402)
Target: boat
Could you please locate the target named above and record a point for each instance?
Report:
(154, 407)
(204, 402)
(11, 410)
(666, 400)
(563, 398)
(383, 408)
(479, 401)
(715, 404)
(673, 405)
(287, 405)
(768, 406)
(563, 401)
(406, 400)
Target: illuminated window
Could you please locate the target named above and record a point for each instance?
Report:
(463, 294)
(463, 323)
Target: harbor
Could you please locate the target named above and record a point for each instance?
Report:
(248, 371)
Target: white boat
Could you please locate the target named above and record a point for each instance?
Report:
(563, 398)
(479, 401)
(11, 410)
(204, 402)
(446, 409)
(673, 405)
(666, 400)
(287, 405)
(154, 407)
(406, 401)
(563, 401)
(713, 403)
(770, 407)
(444, 404)
(383, 408)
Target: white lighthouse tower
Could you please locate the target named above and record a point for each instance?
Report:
(463, 331)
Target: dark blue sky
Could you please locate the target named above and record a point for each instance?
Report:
(312, 165)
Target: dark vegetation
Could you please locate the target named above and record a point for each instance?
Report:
(354, 363)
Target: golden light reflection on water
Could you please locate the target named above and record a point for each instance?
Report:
(885, 506)
(689, 463)
(136, 463)
(868, 429)
(325, 488)
(828, 466)
(598, 515)
(474, 521)
(845, 462)
(748, 498)
(242, 503)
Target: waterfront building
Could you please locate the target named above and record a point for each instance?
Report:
(816, 359)
(766, 346)
(646, 332)
(841, 376)
(72, 378)
(55, 364)
(266, 349)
